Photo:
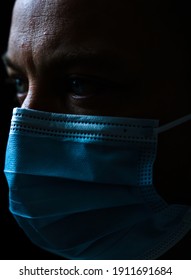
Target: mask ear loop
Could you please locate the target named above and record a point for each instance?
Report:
(172, 124)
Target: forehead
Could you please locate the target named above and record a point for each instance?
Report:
(69, 21)
(42, 28)
(133, 29)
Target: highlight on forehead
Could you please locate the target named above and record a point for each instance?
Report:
(117, 21)
(159, 8)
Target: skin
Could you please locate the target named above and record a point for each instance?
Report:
(123, 58)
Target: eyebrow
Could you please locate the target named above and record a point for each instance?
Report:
(70, 57)
(84, 58)
(98, 60)
(8, 63)
(106, 62)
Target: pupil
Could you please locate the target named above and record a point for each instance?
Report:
(77, 86)
(19, 85)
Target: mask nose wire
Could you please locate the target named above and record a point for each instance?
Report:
(172, 124)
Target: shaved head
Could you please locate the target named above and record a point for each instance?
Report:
(137, 34)
(125, 58)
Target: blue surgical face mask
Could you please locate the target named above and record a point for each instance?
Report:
(81, 186)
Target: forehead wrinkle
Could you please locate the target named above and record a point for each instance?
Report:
(31, 26)
(36, 18)
(58, 26)
(59, 18)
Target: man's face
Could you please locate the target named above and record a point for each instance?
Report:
(105, 57)
(96, 57)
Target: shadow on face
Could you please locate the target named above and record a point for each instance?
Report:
(125, 58)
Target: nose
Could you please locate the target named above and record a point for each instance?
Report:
(39, 98)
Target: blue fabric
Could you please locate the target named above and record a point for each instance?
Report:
(81, 186)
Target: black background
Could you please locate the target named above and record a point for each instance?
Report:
(14, 244)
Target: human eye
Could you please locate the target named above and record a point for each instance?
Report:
(86, 87)
(20, 86)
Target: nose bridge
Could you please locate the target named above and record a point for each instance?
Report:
(39, 97)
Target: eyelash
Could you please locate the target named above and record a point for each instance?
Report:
(86, 86)
(77, 86)
(15, 82)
